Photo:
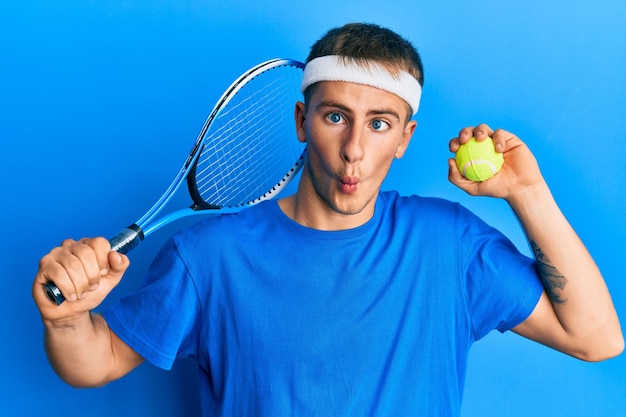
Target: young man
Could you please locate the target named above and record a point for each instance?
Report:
(373, 305)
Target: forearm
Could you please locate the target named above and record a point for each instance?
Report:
(80, 350)
(573, 282)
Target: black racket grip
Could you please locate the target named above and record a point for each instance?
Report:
(126, 240)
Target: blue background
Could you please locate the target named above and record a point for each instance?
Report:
(101, 100)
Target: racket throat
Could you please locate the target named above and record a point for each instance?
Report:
(127, 239)
(204, 206)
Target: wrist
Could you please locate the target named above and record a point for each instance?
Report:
(69, 322)
(531, 198)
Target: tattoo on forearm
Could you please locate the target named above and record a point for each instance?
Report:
(553, 281)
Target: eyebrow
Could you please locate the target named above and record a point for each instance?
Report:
(346, 109)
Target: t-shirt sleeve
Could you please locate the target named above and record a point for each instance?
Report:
(159, 321)
(502, 284)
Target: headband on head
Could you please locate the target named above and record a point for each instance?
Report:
(336, 68)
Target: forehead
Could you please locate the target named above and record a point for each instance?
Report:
(358, 97)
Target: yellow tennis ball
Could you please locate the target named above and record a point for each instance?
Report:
(478, 161)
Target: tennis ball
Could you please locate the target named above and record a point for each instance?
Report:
(478, 161)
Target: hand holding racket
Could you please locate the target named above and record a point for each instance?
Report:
(246, 152)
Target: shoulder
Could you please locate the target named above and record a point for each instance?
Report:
(431, 207)
(433, 215)
(215, 229)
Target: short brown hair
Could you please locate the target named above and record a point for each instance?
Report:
(366, 42)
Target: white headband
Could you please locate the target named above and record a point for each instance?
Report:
(336, 68)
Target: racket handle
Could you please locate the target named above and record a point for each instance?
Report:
(128, 239)
(123, 242)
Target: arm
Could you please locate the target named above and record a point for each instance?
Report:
(575, 314)
(80, 346)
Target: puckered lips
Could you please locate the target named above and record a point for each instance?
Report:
(348, 185)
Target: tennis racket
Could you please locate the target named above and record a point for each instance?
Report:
(246, 152)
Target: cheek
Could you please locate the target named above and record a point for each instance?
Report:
(383, 165)
(323, 140)
(387, 149)
(383, 156)
(317, 154)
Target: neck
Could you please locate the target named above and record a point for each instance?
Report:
(308, 209)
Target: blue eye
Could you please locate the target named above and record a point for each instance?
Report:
(379, 125)
(335, 118)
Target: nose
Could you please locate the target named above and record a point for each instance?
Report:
(352, 149)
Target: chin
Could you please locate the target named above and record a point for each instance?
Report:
(349, 208)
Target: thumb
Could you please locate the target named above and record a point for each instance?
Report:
(456, 178)
(454, 175)
(118, 263)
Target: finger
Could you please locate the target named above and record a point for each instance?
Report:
(52, 271)
(482, 132)
(500, 139)
(456, 178)
(76, 266)
(83, 269)
(454, 145)
(117, 266)
(118, 262)
(61, 267)
(101, 248)
(67, 243)
(454, 175)
(465, 134)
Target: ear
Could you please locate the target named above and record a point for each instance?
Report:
(300, 121)
(406, 138)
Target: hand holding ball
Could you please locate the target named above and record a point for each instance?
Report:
(478, 161)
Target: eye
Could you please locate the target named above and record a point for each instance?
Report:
(380, 125)
(334, 118)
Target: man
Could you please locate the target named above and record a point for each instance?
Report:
(340, 299)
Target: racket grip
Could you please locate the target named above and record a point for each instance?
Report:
(127, 239)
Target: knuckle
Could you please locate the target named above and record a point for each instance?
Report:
(67, 243)
(100, 244)
(47, 260)
(74, 267)
(81, 251)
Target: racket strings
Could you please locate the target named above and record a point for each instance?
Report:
(235, 167)
(241, 121)
(251, 144)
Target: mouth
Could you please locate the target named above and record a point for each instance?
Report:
(348, 185)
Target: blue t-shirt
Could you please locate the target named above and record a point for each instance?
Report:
(284, 320)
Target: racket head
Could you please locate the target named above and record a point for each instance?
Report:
(248, 149)
(246, 152)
